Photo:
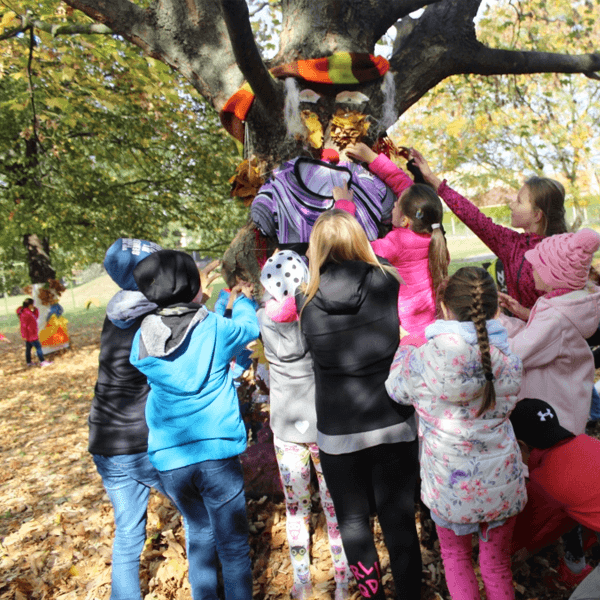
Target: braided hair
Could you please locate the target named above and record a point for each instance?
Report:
(471, 295)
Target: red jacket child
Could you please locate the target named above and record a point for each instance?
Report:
(28, 315)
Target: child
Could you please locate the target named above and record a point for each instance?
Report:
(538, 209)
(463, 383)
(564, 481)
(118, 434)
(28, 316)
(293, 419)
(368, 446)
(196, 431)
(416, 245)
(557, 361)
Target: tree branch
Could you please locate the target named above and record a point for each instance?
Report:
(249, 60)
(394, 10)
(54, 28)
(489, 61)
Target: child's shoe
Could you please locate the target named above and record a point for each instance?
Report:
(570, 579)
(302, 591)
(31, 364)
(45, 363)
(342, 593)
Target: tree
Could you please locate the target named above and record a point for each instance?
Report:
(506, 127)
(91, 149)
(211, 44)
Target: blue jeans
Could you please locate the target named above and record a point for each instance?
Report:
(127, 479)
(38, 348)
(210, 496)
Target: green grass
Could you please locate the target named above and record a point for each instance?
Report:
(74, 301)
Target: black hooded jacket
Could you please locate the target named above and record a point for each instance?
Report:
(352, 329)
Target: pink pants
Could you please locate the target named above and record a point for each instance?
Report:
(494, 562)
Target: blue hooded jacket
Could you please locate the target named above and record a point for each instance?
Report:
(192, 410)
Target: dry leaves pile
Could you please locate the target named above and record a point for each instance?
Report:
(56, 522)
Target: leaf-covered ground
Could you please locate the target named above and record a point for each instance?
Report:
(56, 522)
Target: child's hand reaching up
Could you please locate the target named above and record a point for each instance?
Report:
(342, 193)
(242, 287)
(207, 277)
(508, 302)
(361, 152)
(425, 169)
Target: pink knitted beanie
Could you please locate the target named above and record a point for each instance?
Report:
(563, 261)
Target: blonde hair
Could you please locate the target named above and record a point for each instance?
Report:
(471, 295)
(336, 237)
(421, 204)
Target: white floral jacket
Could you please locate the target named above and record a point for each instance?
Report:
(471, 467)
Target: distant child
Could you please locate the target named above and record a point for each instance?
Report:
(564, 482)
(416, 246)
(196, 431)
(294, 419)
(28, 315)
(539, 210)
(550, 338)
(463, 383)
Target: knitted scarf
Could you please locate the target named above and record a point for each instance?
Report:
(341, 68)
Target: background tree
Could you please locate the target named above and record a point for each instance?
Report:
(212, 45)
(92, 148)
(500, 129)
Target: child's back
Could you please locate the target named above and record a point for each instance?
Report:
(470, 466)
(463, 383)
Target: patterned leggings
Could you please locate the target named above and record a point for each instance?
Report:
(494, 562)
(294, 468)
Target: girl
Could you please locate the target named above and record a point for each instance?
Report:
(464, 382)
(28, 316)
(558, 363)
(293, 419)
(538, 209)
(416, 246)
(367, 445)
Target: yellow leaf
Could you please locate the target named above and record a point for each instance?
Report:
(8, 18)
(481, 123)
(315, 137)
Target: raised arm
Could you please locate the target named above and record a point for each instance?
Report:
(497, 238)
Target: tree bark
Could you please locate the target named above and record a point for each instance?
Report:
(38, 254)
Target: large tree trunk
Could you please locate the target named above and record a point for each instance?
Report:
(38, 255)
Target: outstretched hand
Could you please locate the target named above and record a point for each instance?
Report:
(242, 287)
(361, 152)
(517, 309)
(421, 163)
(343, 193)
(207, 277)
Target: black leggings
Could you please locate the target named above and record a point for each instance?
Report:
(384, 478)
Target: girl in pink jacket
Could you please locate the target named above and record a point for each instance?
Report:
(416, 246)
(28, 316)
(551, 337)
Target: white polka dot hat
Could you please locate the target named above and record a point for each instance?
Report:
(283, 273)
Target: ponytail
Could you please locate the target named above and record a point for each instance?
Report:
(421, 204)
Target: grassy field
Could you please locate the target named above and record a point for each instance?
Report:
(98, 292)
(74, 301)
